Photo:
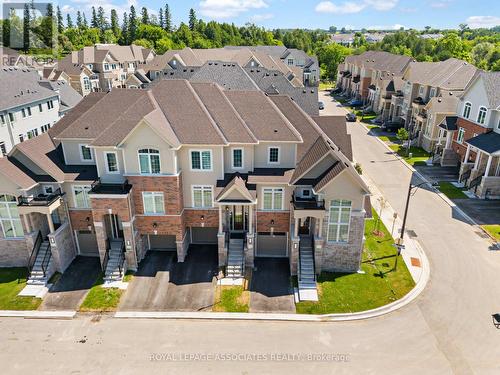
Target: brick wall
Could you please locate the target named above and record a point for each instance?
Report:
(171, 187)
(79, 219)
(363, 88)
(192, 218)
(281, 221)
(119, 206)
(166, 225)
(470, 129)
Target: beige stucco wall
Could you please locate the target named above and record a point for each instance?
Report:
(101, 165)
(71, 151)
(286, 155)
(286, 197)
(344, 187)
(248, 156)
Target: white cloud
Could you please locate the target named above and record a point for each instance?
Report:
(67, 9)
(229, 8)
(439, 4)
(349, 7)
(476, 22)
(86, 7)
(396, 26)
(261, 17)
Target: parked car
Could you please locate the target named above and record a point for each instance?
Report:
(321, 105)
(392, 126)
(350, 117)
(355, 103)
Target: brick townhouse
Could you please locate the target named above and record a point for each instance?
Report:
(180, 164)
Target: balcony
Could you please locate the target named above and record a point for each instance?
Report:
(419, 101)
(99, 187)
(307, 204)
(43, 200)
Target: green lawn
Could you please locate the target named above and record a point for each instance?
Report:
(101, 299)
(379, 285)
(451, 191)
(388, 138)
(326, 85)
(419, 155)
(12, 281)
(493, 230)
(231, 299)
(129, 275)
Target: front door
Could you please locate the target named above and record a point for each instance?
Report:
(239, 218)
(304, 225)
(113, 226)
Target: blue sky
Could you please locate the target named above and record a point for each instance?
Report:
(381, 14)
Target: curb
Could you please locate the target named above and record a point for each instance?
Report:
(35, 314)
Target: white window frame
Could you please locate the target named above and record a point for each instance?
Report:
(2, 119)
(273, 190)
(338, 221)
(45, 189)
(148, 154)
(153, 194)
(269, 155)
(201, 169)
(479, 115)
(107, 165)
(468, 108)
(8, 207)
(106, 67)
(85, 189)
(304, 190)
(432, 92)
(3, 149)
(202, 188)
(242, 158)
(460, 135)
(50, 104)
(33, 133)
(80, 146)
(86, 83)
(12, 117)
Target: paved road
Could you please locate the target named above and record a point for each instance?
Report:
(447, 330)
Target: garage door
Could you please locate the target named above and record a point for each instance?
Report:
(162, 243)
(87, 243)
(271, 245)
(204, 235)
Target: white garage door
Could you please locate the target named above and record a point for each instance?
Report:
(87, 243)
(272, 245)
(162, 243)
(204, 235)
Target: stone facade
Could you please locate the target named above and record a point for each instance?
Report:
(13, 253)
(343, 257)
(281, 221)
(62, 246)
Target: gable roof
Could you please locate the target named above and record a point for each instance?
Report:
(314, 155)
(239, 184)
(15, 174)
(335, 128)
(328, 176)
(491, 82)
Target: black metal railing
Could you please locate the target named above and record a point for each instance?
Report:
(464, 177)
(41, 199)
(121, 260)
(106, 255)
(473, 184)
(34, 252)
(307, 203)
(98, 187)
(46, 260)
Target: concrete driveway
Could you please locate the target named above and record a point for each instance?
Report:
(270, 289)
(72, 287)
(162, 284)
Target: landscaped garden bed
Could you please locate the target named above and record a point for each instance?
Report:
(379, 283)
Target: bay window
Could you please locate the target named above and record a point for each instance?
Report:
(338, 220)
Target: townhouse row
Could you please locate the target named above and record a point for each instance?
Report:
(180, 164)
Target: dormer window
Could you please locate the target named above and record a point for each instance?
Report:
(273, 155)
(481, 116)
(467, 109)
(149, 161)
(85, 153)
(237, 157)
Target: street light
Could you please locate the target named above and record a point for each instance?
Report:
(399, 242)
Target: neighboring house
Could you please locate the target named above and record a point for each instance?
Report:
(299, 68)
(184, 163)
(384, 87)
(29, 106)
(425, 81)
(473, 135)
(79, 76)
(359, 74)
(232, 76)
(103, 66)
(343, 39)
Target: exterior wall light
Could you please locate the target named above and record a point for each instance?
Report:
(155, 231)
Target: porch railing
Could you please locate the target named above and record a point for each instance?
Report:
(475, 183)
(465, 176)
(40, 200)
(46, 260)
(34, 252)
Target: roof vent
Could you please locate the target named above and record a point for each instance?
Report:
(216, 63)
(304, 91)
(275, 130)
(209, 63)
(258, 70)
(86, 128)
(267, 74)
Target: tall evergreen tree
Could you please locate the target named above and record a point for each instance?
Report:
(168, 19)
(115, 26)
(60, 24)
(93, 21)
(26, 27)
(79, 20)
(124, 36)
(85, 23)
(132, 24)
(144, 15)
(69, 21)
(192, 19)
(102, 22)
(50, 10)
(161, 19)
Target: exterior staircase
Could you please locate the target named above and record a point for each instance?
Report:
(307, 276)
(114, 266)
(235, 259)
(39, 274)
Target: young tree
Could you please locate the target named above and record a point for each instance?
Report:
(161, 18)
(26, 28)
(192, 19)
(403, 136)
(144, 16)
(132, 24)
(93, 22)
(79, 20)
(168, 19)
(60, 24)
(69, 21)
(115, 26)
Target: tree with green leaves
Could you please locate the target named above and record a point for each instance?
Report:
(168, 19)
(93, 21)
(124, 34)
(192, 19)
(85, 23)
(60, 24)
(132, 24)
(115, 24)
(69, 21)
(79, 20)
(144, 16)
(161, 19)
(26, 27)
(102, 22)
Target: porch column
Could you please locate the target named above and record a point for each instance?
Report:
(220, 218)
(250, 219)
(51, 223)
(26, 223)
(478, 158)
(320, 227)
(449, 137)
(296, 228)
(467, 153)
(488, 166)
